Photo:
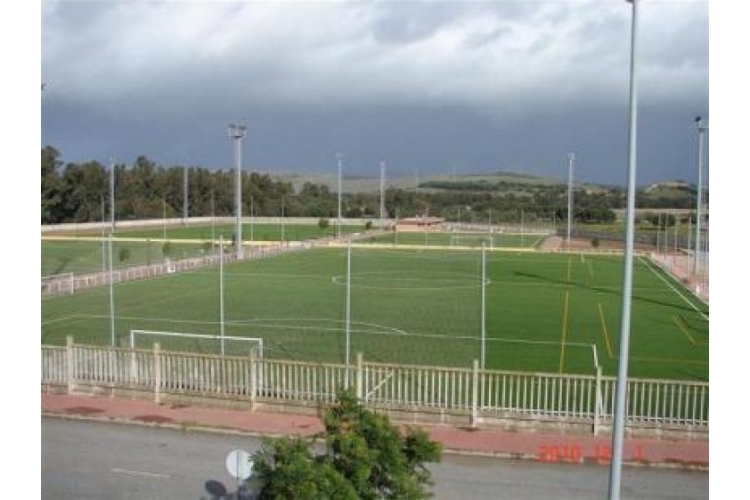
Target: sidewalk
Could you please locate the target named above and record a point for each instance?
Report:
(547, 448)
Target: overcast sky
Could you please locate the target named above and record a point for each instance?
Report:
(428, 86)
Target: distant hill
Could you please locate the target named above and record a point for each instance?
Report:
(672, 189)
(677, 194)
(358, 184)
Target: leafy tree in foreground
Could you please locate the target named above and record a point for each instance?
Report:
(287, 469)
(366, 457)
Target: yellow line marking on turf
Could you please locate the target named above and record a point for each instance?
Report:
(684, 330)
(606, 333)
(570, 261)
(564, 330)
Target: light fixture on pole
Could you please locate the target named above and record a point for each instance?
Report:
(237, 132)
(618, 430)
(701, 128)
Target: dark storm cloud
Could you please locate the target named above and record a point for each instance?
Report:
(427, 85)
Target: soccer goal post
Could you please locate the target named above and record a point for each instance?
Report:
(541, 355)
(197, 343)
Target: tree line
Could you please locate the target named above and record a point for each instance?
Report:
(79, 192)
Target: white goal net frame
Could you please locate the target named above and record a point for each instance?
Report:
(255, 343)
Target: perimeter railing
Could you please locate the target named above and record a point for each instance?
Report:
(480, 395)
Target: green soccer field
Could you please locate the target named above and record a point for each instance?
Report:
(250, 232)
(459, 239)
(87, 253)
(544, 312)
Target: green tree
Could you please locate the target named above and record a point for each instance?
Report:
(323, 223)
(290, 471)
(124, 254)
(366, 457)
(51, 185)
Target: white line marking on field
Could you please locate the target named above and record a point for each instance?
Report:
(63, 318)
(139, 473)
(674, 289)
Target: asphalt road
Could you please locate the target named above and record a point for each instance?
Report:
(101, 461)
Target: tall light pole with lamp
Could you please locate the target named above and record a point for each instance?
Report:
(339, 156)
(618, 429)
(571, 159)
(237, 133)
(696, 255)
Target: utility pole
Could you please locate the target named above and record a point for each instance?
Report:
(618, 429)
(701, 128)
(184, 195)
(112, 193)
(113, 341)
(237, 133)
(282, 219)
(571, 159)
(382, 194)
(483, 332)
(339, 156)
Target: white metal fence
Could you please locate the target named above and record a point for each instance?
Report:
(460, 391)
(71, 283)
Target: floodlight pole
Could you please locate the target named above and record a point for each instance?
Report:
(104, 252)
(111, 296)
(395, 230)
(213, 220)
(338, 220)
(282, 219)
(164, 218)
(674, 255)
(627, 285)
(690, 232)
(571, 159)
(382, 194)
(658, 231)
(221, 291)
(348, 299)
(184, 194)
(112, 193)
(484, 304)
(701, 129)
(237, 132)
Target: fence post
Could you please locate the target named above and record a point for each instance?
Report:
(70, 362)
(253, 379)
(597, 399)
(475, 393)
(360, 376)
(157, 373)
